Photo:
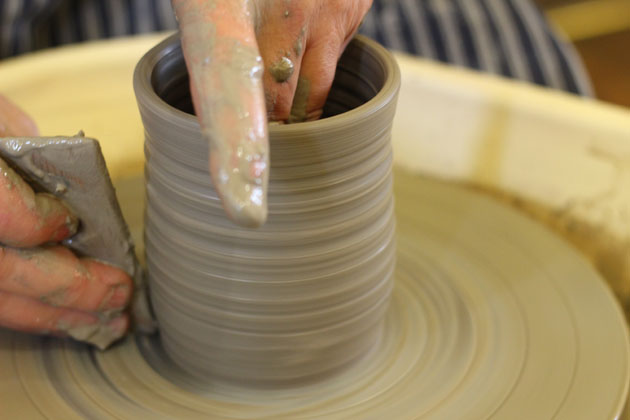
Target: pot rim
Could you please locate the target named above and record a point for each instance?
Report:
(147, 97)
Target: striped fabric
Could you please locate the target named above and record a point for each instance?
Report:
(28, 25)
(505, 37)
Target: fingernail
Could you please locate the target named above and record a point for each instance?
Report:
(119, 297)
(245, 204)
(68, 229)
(242, 187)
(72, 223)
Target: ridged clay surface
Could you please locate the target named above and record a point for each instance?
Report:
(304, 295)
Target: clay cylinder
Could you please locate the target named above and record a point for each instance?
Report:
(304, 295)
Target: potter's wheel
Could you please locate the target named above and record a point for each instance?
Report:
(492, 317)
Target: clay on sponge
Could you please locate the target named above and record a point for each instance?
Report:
(73, 169)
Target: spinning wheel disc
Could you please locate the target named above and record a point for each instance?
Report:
(492, 316)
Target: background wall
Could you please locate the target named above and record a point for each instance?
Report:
(600, 29)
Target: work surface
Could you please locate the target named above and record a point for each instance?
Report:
(551, 150)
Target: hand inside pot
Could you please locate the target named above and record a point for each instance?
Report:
(250, 61)
(44, 287)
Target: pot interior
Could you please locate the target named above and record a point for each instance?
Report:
(360, 75)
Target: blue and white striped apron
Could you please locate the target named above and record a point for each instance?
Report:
(506, 37)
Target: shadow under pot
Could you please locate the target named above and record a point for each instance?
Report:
(305, 295)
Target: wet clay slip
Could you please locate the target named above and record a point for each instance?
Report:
(228, 70)
(282, 69)
(304, 295)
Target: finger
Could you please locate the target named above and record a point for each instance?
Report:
(29, 219)
(323, 48)
(316, 77)
(221, 53)
(14, 122)
(29, 315)
(55, 276)
(281, 39)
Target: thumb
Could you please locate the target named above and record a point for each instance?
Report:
(221, 53)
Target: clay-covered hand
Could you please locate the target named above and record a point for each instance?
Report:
(45, 288)
(235, 47)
